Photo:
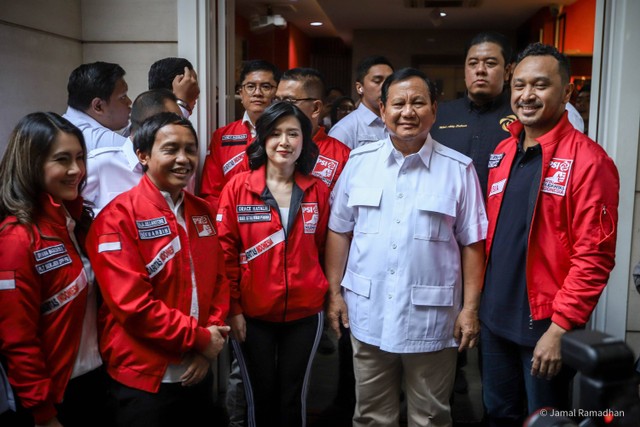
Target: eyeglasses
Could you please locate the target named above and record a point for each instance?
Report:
(252, 87)
(293, 100)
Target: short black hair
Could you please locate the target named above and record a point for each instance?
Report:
(492, 37)
(539, 49)
(365, 65)
(256, 151)
(145, 136)
(148, 104)
(94, 80)
(259, 65)
(335, 105)
(312, 80)
(404, 74)
(163, 71)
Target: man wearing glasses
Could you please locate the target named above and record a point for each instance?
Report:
(304, 87)
(226, 154)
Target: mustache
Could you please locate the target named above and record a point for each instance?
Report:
(534, 104)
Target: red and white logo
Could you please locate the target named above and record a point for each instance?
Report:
(557, 177)
(203, 225)
(325, 169)
(497, 187)
(310, 216)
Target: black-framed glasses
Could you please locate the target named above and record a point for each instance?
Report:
(293, 100)
(252, 87)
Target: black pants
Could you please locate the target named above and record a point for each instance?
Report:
(173, 405)
(275, 361)
(84, 404)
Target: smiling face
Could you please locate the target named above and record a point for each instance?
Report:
(64, 168)
(284, 145)
(538, 94)
(485, 72)
(173, 159)
(409, 113)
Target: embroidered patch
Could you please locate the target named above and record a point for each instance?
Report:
(325, 169)
(252, 208)
(154, 233)
(310, 216)
(497, 187)
(232, 163)
(109, 243)
(456, 126)
(265, 245)
(557, 176)
(494, 160)
(243, 219)
(53, 264)
(65, 296)
(7, 280)
(219, 217)
(49, 252)
(151, 223)
(203, 224)
(231, 140)
(166, 253)
(506, 121)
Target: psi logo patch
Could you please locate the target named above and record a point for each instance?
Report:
(310, 216)
(203, 225)
(557, 176)
(497, 187)
(325, 169)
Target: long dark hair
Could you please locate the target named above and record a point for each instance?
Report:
(264, 127)
(22, 167)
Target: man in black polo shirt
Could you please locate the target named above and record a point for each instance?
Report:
(477, 122)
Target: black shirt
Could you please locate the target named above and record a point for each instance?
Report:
(504, 307)
(474, 130)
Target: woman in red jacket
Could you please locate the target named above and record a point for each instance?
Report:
(272, 223)
(48, 337)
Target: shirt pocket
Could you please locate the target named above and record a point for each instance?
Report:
(435, 217)
(358, 291)
(431, 314)
(367, 202)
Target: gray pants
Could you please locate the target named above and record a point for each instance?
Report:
(235, 398)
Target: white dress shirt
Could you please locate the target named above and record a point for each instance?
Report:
(359, 127)
(95, 135)
(409, 216)
(111, 171)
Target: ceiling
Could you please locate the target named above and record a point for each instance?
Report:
(342, 17)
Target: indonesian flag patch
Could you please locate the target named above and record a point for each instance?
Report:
(109, 243)
(7, 280)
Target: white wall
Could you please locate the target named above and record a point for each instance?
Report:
(39, 46)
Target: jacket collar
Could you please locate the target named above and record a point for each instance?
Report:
(552, 137)
(151, 192)
(56, 212)
(257, 180)
(494, 104)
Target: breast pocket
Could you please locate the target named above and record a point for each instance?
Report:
(367, 202)
(435, 217)
(430, 315)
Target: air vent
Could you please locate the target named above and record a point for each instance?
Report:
(427, 4)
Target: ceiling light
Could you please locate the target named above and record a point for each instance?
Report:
(316, 24)
(443, 14)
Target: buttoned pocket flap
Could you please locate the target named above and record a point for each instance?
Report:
(357, 284)
(434, 296)
(365, 197)
(436, 203)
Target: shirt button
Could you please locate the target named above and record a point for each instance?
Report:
(400, 195)
(394, 246)
(392, 272)
(397, 220)
(389, 296)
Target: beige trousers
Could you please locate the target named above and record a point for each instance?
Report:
(426, 377)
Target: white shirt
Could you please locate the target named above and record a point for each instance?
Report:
(111, 171)
(246, 120)
(359, 127)
(95, 135)
(403, 282)
(574, 117)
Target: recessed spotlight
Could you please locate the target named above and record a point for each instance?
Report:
(443, 14)
(316, 24)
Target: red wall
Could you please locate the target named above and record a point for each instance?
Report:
(580, 22)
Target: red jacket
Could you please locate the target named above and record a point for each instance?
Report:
(226, 157)
(43, 295)
(274, 276)
(333, 156)
(141, 259)
(572, 239)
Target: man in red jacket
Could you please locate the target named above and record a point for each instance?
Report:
(553, 208)
(160, 269)
(226, 155)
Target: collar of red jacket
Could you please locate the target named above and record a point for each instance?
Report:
(558, 132)
(257, 180)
